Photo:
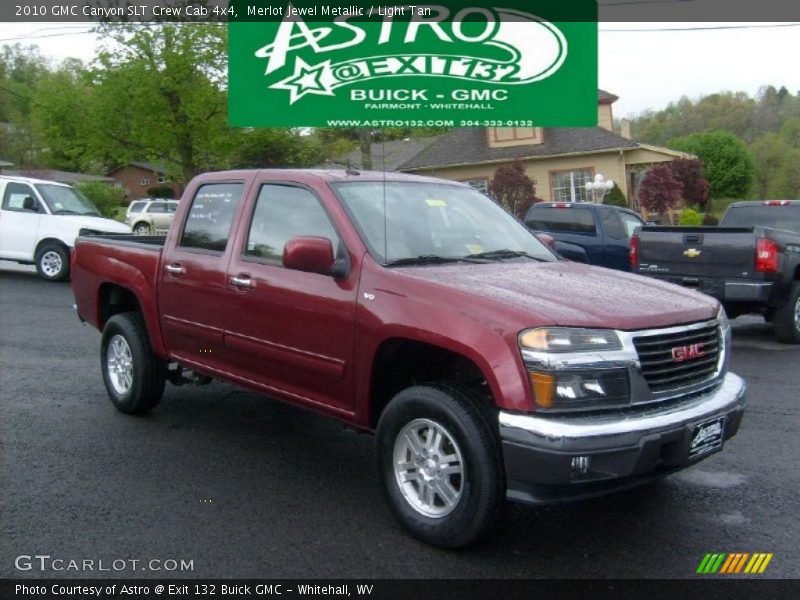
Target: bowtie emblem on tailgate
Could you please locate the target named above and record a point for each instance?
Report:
(683, 353)
(692, 252)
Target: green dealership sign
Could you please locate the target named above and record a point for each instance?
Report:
(517, 64)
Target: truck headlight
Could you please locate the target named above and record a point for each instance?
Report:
(568, 339)
(580, 389)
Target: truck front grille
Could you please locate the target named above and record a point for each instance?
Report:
(677, 359)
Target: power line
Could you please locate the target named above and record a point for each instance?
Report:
(708, 28)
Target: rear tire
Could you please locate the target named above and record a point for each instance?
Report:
(134, 377)
(787, 318)
(52, 262)
(440, 464)
(142, 229)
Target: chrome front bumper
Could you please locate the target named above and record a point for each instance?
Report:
(624, 448)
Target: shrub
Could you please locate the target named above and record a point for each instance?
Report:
(161, 191)
(105, 197)
(513, 189)
(710, 220)
(660, 190)
(690, 218)
(616, 198)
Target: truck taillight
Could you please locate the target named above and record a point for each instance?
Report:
(562, 205)
(634, 251)
(766, 256)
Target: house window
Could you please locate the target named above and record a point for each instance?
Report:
(162, 179)
(482, 185)
(144, 181)
(570, 186)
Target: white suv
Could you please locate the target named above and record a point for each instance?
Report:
(39, 221)
(149, 217)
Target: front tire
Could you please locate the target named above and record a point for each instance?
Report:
(787, 318)
(440, 464)
(134, 377)
(142, 229)
(52, 262)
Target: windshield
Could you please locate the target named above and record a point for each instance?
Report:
(431, 220)
(775, 217)
(63, 200)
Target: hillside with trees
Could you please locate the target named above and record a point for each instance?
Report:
(750, 146)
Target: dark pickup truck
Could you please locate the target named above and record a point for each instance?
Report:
(419, 310)
(751, 262)
(596, 234)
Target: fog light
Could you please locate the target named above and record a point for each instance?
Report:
(581, 465)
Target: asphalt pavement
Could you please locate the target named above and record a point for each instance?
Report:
(243, 486)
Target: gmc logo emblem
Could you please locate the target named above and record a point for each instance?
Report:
(683, 353)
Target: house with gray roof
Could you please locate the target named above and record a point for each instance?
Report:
(559, 160)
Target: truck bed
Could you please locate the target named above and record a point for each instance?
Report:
(128, 260)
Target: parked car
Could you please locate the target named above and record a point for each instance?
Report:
(151, 216)
(39, 221)
(421, 311)
(596, 234)
(751, 262)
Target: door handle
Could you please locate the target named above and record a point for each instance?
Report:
(242, 281)
(175, 269)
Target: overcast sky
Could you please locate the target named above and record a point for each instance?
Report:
(646, 69)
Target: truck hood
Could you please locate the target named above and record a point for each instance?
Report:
(97, 223)
(569, 294)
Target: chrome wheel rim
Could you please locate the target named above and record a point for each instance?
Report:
(429, 468)
(119, 364)
(142, 229)
(51, 263)
(797, 314)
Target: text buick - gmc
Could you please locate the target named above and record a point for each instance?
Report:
(419, 310)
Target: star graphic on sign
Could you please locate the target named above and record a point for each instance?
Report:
(306, 79)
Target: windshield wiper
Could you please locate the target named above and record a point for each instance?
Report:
(429, 259)
(91, 213)
(505, 253)
(66, 212)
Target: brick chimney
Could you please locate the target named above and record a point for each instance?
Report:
(625, 128)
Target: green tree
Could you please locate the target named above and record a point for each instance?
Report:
(263, 148)
(107, 198)
(160, 96)
(58, 117)
(728, 165)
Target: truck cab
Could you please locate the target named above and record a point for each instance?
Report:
(596, 234)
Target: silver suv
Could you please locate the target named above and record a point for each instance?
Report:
(151, 216)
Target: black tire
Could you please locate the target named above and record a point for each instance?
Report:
(481, 493)
(148, 371)
(142, 229)
(52, 262)
(786, 322)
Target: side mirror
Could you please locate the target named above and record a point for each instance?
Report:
(309, 254)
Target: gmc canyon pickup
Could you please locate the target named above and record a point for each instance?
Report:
(750, 263)
(417, 309)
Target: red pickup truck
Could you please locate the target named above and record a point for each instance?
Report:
(419, 310)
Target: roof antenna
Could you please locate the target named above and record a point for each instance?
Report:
(385, 228)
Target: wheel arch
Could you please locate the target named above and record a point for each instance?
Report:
(114, 298)
(400, 362)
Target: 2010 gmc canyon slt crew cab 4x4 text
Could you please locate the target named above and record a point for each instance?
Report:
(419, 310)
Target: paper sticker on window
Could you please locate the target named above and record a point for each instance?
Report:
(434, 202)
(474, 248)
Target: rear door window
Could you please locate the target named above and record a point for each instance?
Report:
(208, 224)
(573, 219)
